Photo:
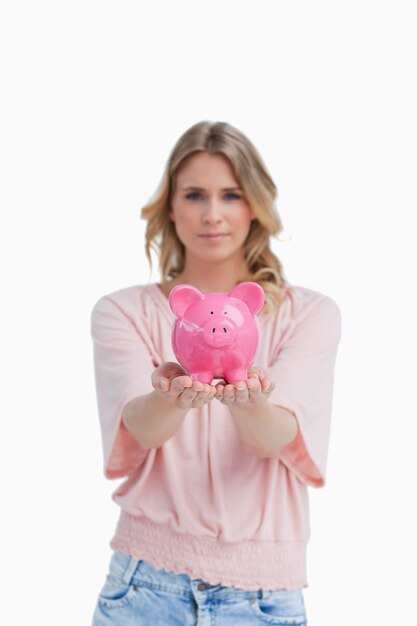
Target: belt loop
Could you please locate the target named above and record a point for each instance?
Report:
(130, 570)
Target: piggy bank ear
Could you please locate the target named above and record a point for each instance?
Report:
(251, 294)
(181, 297)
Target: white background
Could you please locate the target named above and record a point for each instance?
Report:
(94, 95)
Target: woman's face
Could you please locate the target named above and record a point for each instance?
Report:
(212, 218)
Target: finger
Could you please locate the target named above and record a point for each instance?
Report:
(198, 394)
(188, 395)
(179, 383)
(198, 385)
(242, 393)
(256, 371)
(156, 377)
(229, 394)
(164, 384)
(219, 390)
(253, 382)
(201, 398)
(209, 395)
(254, 386)
(160, 383)
(170, 370)
(166, 371)
(266, 383)
(253, 378)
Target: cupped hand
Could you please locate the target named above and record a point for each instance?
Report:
(171, 382)
(252, 392)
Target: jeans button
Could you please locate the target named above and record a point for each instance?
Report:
(202, 587)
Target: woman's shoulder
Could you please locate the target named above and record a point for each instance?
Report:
(301, 296)
(305, 315)
(299, 302)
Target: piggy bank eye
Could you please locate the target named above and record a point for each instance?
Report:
(212, 312)
(225, 313)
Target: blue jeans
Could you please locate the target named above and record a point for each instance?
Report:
(135, 593)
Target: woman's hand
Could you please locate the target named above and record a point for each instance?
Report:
(171, 382)
(252, 392)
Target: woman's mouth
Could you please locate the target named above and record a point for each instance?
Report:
(214, 236)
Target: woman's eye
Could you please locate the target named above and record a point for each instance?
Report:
(190, 196)
(195, 195)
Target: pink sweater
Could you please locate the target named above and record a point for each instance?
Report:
(203, 503)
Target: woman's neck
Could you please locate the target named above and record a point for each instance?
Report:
(212, 277)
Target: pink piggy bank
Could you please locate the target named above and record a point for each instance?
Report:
(216, 335)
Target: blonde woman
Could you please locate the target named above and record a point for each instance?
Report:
(213, 524)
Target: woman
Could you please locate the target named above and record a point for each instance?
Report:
(213, 525)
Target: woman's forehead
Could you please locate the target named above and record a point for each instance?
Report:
(202, 168)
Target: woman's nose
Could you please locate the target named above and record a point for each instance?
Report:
(212, 211)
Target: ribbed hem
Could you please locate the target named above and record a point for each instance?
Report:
(247, 565)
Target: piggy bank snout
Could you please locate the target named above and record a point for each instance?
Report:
(218, 331)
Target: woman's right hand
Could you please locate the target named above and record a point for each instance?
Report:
(171, 382)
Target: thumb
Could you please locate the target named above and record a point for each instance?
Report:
(164, 373)
(172, 370)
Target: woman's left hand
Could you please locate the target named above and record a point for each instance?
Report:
(252, 392)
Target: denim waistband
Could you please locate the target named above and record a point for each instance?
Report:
(142, 573)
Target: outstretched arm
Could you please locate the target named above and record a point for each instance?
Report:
(153, 418)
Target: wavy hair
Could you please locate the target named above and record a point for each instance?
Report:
(258, 188)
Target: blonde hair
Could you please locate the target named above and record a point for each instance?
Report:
(258, 189)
